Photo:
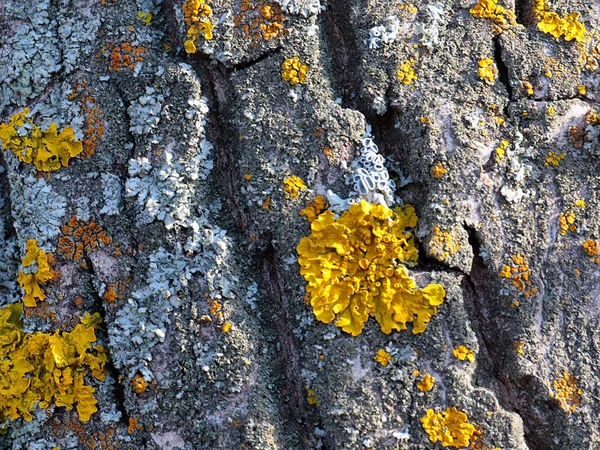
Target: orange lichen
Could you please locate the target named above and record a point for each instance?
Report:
(566, 392)
(567, 222)
(487, 70)
(501, 150)
(314, 209)
(501, 18)
(196, 15)
(383, 357)
(438, 170)
(259, 20)
(355, 268)
(94, 124)
(550, 22)
(134, 425)
(80, 237)
(463, 352)
(518, 272)
(294, 71)
(450, 427)
(125, 56)
(48, 150)
(292, 186)
(591, 247)
(519, 347)
(311, 398)
(66, 429)
(44, 369)
(138, 384)
(427, 383)
(406, 72)
(36, 270)
(442, 244)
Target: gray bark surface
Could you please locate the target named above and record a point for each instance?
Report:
(204, 218)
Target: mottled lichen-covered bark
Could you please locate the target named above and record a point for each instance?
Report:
(211, 341)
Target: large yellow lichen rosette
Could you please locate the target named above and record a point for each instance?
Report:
(354, 267)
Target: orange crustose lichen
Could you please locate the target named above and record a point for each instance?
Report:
(551, 23)
(36, 270)
(294, 71)
(48, 150)
(566, 392)
(94, 125)
(450, 427)
(501, 18)
(44, 369)
(518, 272)
(125, 56)
(80, 237)
(292, 186)
(259, 20)
(354, 267)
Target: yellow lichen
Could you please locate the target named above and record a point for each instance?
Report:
(438, 170)
(567, 392)
(487, 70)
(139, 384)
(554, 159)
(501, 17)
(551, 23)
(294, 71)
(518, 272)
(463, 352)
(591, 248)
(44, 369)
(226, 328)
(406, 72)
(196, 15)
(311, 397)
(427, 383)
(293, 185)
(312, 211)
(354, 268)
(501, 150)
(442, 244)
(581, 89)
(567, 222)
(48, 150)
(528, 87)
(383, 357)
(450, 427)
(36, 271)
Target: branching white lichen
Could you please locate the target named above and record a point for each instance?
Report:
(386, 33)
(145, 112)
(113, 194)
(302, 7)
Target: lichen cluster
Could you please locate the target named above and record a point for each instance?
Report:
(450, 427)
(551, 23)
(125, 56)
(80, 237)
(294, 71)
(197, 15)
(48, 150)
(259, 20)
(36, 270)
(355, 268)
(501, 18)
(519, 274)
(44, 369)
(566, 392)
(292, 185)
(406, 72)
(487, 70)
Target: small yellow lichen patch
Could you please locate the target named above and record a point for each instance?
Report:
(383, 357)
(196, 15)
(567, 392)
(427, 383)
(550, 22)
(293, 185)
(501, 150)
(354, 268)
(438, 170)
(312, 211)
(528, 87)
(48, 150)
(294, 71)
(406, 72)
(501, 17)
(580, 203)
(450, 427)
(581, 89)
(226, 328)
(463, 352)
(487, 70)
(567, 222)
(554, 159)
(442, 244)
(36, 271)
(518, 347)
(311, 397)
(44, 369)
(591, 247)
(518, 272)
(145, 17)
(139, 384)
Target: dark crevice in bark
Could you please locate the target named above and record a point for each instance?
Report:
(222, 136)
(247, 64)
(9, 227)
(503, 74)
(493, 341)
(293, 386)
(524, 12)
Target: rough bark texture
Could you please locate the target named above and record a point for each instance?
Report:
(196, 223)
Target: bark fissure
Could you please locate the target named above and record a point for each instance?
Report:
(503, 74)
